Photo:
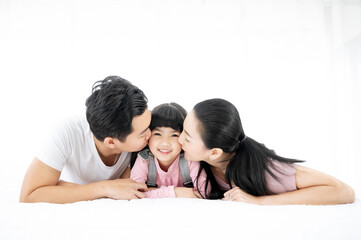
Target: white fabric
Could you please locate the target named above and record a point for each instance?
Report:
(177, 219)
(71, 150)
(297, 61)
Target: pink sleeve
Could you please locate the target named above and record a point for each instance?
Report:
(139, 174)
(162, 192)
(139, 171)
(193, 172)
(286, 174)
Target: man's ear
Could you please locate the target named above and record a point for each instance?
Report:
(110, 142)
(215, 153)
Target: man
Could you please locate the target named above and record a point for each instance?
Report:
(91, 154)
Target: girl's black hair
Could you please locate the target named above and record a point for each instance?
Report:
(168, 115)
(165, 115)
(221, 127)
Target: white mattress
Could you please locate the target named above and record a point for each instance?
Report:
(173, 219)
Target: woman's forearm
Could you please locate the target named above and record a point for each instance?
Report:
(315, 195)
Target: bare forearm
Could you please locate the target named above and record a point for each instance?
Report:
(183, 192)
(316, 195)
(41, 184)
(313, 188)
(66, 194)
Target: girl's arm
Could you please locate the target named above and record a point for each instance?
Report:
(139, 172)
(199, 184)
(183, 192)
(313, 187)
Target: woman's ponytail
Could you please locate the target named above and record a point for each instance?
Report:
(221, 127)
(247, 167)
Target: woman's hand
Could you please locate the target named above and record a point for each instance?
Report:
(237, 194)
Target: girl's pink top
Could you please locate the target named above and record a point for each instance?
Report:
(286, 175)
(166, 181)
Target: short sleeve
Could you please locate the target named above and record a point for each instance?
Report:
(56, 149)
(286, 178)
(139, 172)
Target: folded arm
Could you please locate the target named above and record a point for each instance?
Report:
(41, 184)
(313, 187)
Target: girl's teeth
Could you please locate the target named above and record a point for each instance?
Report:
(165, 151)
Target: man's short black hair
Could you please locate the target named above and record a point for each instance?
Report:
(111, 107)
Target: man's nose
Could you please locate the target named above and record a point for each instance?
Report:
(148, 134)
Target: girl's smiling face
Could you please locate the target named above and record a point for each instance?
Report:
(164, 144)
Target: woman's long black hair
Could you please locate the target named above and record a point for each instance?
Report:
(221, 127)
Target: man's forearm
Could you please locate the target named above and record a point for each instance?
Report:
(67, 193)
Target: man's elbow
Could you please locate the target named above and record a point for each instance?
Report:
(24, 198)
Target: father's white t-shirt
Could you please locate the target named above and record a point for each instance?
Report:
(71, 150)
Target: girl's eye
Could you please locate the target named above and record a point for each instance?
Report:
(175, 135)
(156, 134)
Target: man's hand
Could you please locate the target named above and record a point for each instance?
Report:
(125, 189)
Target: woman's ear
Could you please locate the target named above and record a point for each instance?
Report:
(215, 153)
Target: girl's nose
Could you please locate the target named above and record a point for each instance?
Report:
(165, 142)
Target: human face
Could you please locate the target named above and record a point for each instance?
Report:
(140, 135)
(191, 140)
(164, 144)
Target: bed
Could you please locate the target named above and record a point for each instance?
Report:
(173, 219)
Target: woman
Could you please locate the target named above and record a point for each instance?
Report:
(241, 169)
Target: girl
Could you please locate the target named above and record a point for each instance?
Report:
(239, 168)
(163, 165)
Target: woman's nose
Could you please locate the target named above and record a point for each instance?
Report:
(181, 138)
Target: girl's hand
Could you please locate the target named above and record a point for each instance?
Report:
(236, 194)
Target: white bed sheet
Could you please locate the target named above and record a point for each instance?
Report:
(170, 219)
(177, 219)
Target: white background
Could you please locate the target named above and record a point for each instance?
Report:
(292, 68)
